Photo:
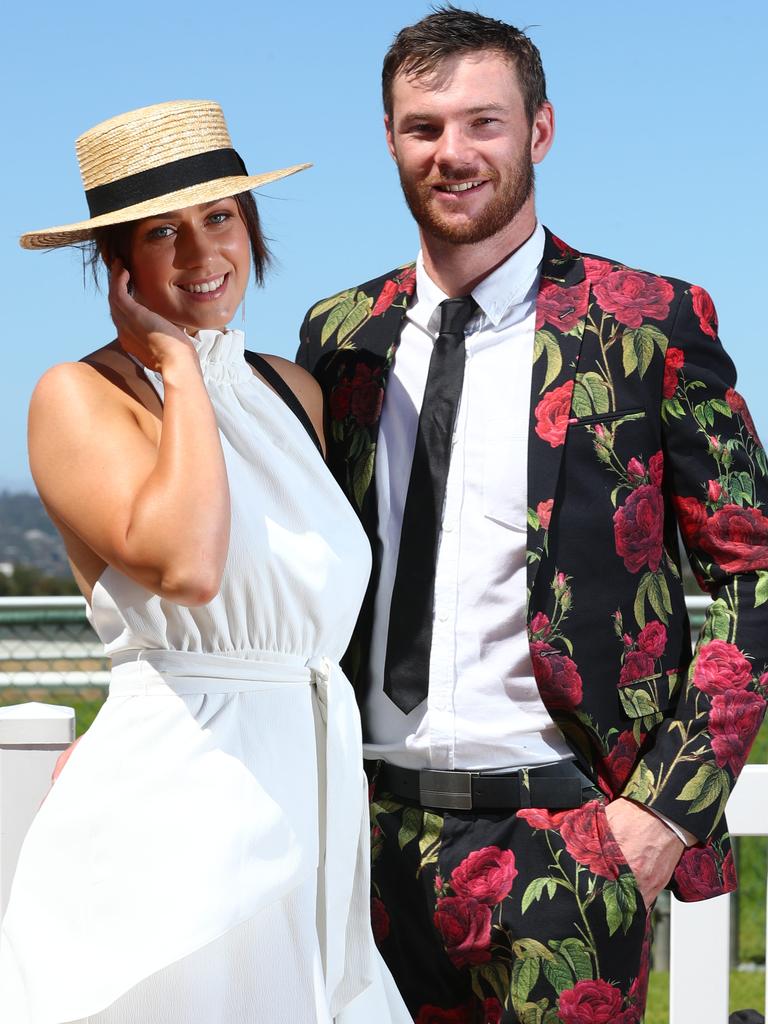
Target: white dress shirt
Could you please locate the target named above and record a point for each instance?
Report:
(483, 709)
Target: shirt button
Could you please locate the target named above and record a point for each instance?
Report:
(442, 616)
(448, 527)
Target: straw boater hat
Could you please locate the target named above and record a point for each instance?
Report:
(153, 160)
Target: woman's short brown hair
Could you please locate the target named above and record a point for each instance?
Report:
(113, 242)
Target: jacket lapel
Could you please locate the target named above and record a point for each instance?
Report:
(561, 311)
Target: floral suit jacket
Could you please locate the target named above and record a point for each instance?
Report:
(635, 430)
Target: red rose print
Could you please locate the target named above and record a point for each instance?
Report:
(492, 1011)
(544, 512)
(737, 539)
(652, 639)
(596, 269)
(437, 1015)
(714, 491)
(465, 926)
(379, 920)
(639, 528)
(565, 249)
(729, 872)
(737, 404)
(616, 768)
(485, 875)
(692, 518)
(552, 414)
(539, 818)
(557, 676)
(540, 626)
(339, 400)
(407, 283)
(563, 307)
(633, 296)
(589, 841)
(672, 365)
(734, 719)
(720, 667)
(637, 665)
(635, 471)
(590, 1002)
(656, 467)
(704, 308)
(385, 299)
(696, 874)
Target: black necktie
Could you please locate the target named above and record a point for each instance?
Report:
(406, 671)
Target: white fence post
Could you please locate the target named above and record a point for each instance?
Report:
(31, 738)
(699, 967)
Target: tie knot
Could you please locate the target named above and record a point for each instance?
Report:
(455, 314)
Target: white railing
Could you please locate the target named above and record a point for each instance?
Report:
(31, 738)
(699, 967)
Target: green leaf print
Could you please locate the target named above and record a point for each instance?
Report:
(411, 826)
(326, 304)
(558, 973)
(534, 892)
(525, 974)
(498, 978)
(708, 784)
(590, 395)
(641, 785)
(576, 953)
(620, 903)
(638, 348)
(761, 591)
(362, 474)
(718, 623)
(525, 948)
(545, 341)
(336, 318)
(357, 315)
(429, 840)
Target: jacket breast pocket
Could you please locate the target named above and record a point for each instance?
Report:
(608, 417)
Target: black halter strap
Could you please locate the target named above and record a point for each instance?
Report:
(272, 377)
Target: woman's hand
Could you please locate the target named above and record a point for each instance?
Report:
(142, 333)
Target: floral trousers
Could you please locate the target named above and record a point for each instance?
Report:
(531, 916)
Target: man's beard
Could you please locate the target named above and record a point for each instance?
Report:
(497, 214)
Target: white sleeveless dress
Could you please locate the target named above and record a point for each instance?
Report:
(203, 856)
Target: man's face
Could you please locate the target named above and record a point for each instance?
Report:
(464, 148)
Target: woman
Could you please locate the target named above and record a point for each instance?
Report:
(203, 855)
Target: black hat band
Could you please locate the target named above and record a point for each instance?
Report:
(162, 180)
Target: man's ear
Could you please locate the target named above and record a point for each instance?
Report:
(542, 132)
(390, 137)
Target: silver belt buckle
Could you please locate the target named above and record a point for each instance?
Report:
(449, 790)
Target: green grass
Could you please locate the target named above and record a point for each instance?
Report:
(747, 992)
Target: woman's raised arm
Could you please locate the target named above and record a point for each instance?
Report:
(158, 512)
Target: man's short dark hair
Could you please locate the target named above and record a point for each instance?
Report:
(419, 49)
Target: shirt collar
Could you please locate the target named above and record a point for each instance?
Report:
(508, 285)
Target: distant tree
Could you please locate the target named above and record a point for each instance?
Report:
(28, 581)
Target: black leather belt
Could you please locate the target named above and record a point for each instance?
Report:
(554, 786)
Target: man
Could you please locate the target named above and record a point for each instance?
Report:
(521, 457)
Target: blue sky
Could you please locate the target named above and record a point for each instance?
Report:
(659, 159)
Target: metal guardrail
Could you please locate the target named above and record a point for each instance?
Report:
(48, 641)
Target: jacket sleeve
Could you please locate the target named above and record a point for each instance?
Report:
(717, 478)
(303, 352)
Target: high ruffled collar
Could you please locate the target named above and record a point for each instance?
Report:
(221, 355)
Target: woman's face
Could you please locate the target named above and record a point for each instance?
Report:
(191, 266)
